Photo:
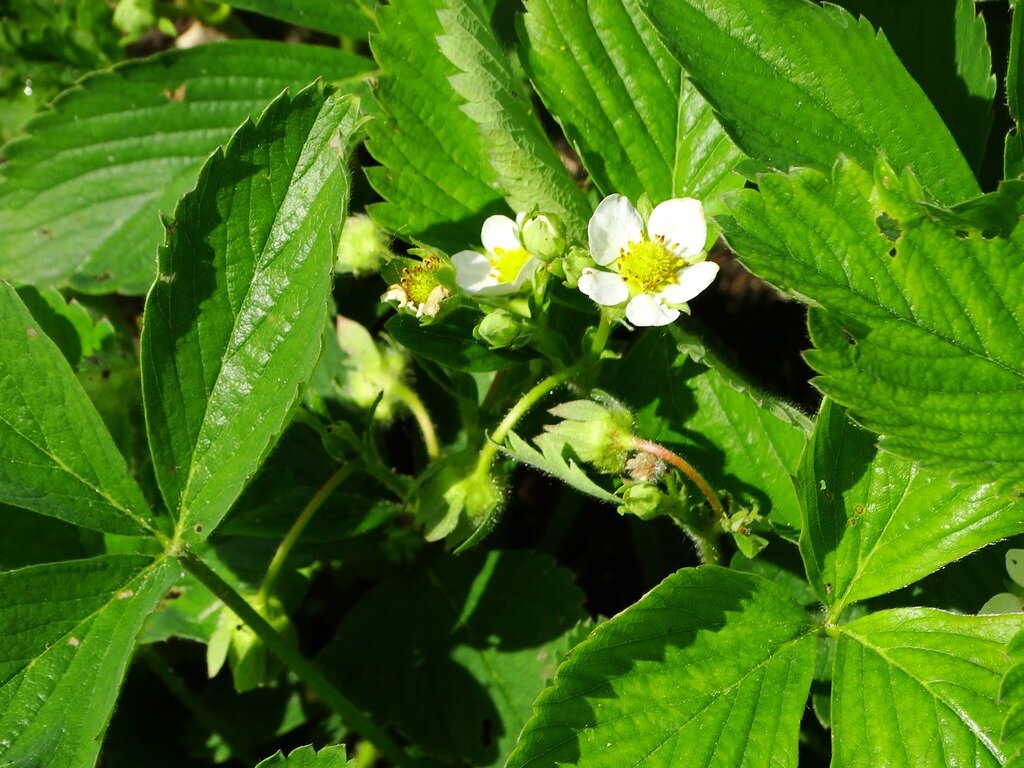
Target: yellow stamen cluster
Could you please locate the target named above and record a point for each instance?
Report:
(418, 282)
(508, 263)
(648, 266)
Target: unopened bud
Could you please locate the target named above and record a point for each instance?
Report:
(645, 500)
(599, 433)
(542, 236)
(361, 248)
(458, 497)
(573, 264)
(502, 329)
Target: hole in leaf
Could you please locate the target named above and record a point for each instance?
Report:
(850, 338)
(963, 234)
(892, 252)
(888, 226)
(198, 528)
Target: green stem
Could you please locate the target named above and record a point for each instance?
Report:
(350, 714)
(705, 540)
(288, 542)
(419, 412)
(199, 709)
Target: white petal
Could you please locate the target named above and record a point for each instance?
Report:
(473, 271)
(689, 282)
(500, 232)
(395, 293)
(646, 309)
(525, 273)
(681, 222)
(606, 288)
(614, 225)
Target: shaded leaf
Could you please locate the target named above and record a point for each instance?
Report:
(461, 649)
(623, 101)
(59, 678)
(306, 757)
(353, 18)
(57, 461)
(450, 342)
(710, 668)
(925, 317)
(741, 440)
(554, 458)
(944, 48)
(233, 325)
(806, 83)
(81, 194)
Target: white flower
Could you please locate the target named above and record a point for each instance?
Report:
(652, 273)
(504, 265)
(418, 291)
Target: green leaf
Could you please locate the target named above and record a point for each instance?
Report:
(741, 440)
(944, 48)
(306, 757)
(623, 101)
(527, 166)
(1011, 693)
(434, 174)
(917, 686)
(352, 18)
(30, 539)
(924, 328)
(710, 668)
(553, 459)
(80, 196)
(233, 325)
(450, 342)
(875, 522)
(461, 649)
(1013, 158)
(68, 630)
(806, 83)
(58, 461)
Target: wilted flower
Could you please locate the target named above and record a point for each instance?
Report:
(418, 291)
(504, 265)
(655, 272)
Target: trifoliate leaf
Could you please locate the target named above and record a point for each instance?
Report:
(805, 83)
(924, 315)
(556, 458)
(638, 124)
(58, 461)
(711, 668)
(61, 670)
(233, 326)
(81, 194)
(917, 686)
(875, 522)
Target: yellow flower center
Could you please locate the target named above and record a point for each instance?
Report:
(418, 282)
(508, 263)
(648, 266)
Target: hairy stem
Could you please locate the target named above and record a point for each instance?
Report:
(288, 542)
(350, 714)
(419, 412)
(705, 540)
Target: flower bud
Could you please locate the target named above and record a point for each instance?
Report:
(369, 370)
(542, 236)
(457, 497)
(573, 264)
(361, 248)
(645, 500)
(502, 329)
(599, 433)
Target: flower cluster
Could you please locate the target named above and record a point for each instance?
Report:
(648, 269)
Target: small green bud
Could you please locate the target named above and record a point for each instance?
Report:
(501, 329)
(645, 500)
(134, 17)
(600, 433)
(573, 264)
(457, 497)
(543, 236)
(362, 247)
(369, 369)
